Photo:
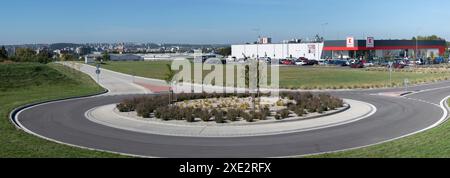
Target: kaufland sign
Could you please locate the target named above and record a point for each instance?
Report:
(370, 42)
(350, 42)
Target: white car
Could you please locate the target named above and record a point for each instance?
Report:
(300, 63)
(368, 64)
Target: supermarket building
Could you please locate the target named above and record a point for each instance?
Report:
(345, 49)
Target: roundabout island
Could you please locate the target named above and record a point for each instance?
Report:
(233, 123)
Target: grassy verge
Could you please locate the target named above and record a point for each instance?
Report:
(434, 143)
(305, 77)
(21, 84)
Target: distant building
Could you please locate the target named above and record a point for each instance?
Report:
(265, 40)
(125, 57)
(345, 49)
(82, 51)
(91, 58)
(278, 51)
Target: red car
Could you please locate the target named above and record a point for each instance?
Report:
(399, 66)
(288, 62)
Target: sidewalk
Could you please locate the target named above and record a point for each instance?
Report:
(116, 83)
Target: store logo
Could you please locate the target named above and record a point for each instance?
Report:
(350, 42)
(370, 42)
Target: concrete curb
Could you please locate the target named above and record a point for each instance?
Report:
(14, 112)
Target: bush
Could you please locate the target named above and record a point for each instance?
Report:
(283, 113)
(205, 116)
(144, 110)
(197, 112)
(265, 112)
(247, 117)
(300, 111)
(277, 117)
(122, 107)
(218, 117)
(233, 115)
(176, 112)
(159, 112)
(188, 114)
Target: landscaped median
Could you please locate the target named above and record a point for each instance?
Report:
(274, 117)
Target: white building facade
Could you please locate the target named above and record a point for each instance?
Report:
(278, 51)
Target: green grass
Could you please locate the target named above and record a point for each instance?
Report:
(434, 143)
(26, 83)
(154, 70)
(303, 78)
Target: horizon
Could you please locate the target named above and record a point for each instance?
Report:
(204, 22)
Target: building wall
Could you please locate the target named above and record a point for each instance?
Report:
(279, 51)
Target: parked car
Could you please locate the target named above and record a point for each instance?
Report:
(369, 64)
(311, 62)
(288, 62)
(357, 64)
(299, 62)
(343, 63)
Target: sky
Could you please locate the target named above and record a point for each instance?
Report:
(217, 21)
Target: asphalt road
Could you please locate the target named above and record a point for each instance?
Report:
(64, 121)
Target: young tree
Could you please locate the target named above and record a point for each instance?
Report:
(106, 56)
(169, 79)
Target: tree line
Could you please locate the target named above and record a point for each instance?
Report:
(26, 55)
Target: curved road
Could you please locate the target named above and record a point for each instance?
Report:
(64, 121)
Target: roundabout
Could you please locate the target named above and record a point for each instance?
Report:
(396, 117)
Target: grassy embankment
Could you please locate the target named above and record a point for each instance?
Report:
(434, 143)
(26, 83)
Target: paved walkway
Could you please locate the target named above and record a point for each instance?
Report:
(117, 83)
(105, 115)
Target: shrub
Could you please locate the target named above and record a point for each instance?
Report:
(233, 115)
(284, 113)
(159, 112)
(122, 107)
(256, 115)
(189, 115)
(218, 117)
(277, 117)
(197, 112)
(300, 111)
(144, 110)
(265, 112)
(176, 112)
(247, 117)
(322, 109)
(205, 116)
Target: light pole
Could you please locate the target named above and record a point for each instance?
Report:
(323, 28)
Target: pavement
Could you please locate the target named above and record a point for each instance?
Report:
(117, 83)
(396, 117)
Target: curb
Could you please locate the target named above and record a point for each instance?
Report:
(443, 105)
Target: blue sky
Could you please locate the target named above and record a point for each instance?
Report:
(217, 21)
